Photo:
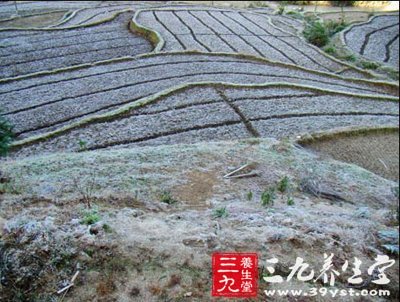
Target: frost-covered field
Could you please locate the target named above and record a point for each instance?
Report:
(129, 115)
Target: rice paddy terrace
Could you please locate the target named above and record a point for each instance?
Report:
(131, 120)
(376, 40)
(121, 75)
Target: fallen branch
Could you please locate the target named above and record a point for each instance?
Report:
(71, 283)
(251, 174)
(65, 288)
(237, 170)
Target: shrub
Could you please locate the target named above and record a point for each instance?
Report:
(334, 27)
(220, 213)
(268, 197)
(290, 201)
(316, 34)
(91, 218)
(166, 197)
(369, 65)
(283, 185)
(82, 145)
(319, 34)
(350, 58)
(330, 50)
(6, 136)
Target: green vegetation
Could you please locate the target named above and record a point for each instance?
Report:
(220, 213)
(350, 58)
(319, 33)
(6, 136)
(82, 145)
(107, 228)
(268, 197)
(284, 185)
(369, 65)
(166, 197)
(331, 50)
(290, 201)
(316, 34)
(90, 218)
(334, 27)
(250, 196)
(281, 8)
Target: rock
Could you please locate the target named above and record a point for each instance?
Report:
(188, 294)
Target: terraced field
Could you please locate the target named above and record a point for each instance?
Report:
(207, 113)
(75, 94)
(127, 116)
(376, 40)
(246, 77)
(217, 30)
(25, 52)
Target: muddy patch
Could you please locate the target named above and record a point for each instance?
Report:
(197, 190)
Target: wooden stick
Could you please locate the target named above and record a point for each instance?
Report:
(74, 277)
(237, 170)
(65, 288)
(251, 174)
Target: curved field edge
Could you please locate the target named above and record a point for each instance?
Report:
(106, 19)
(389, 85)
(157, 37)
(171, 91)
(343, 33)
(66, 14)
(345, 132)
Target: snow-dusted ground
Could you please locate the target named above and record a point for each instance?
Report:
(376, 40)
(222, 30)
(25, 52)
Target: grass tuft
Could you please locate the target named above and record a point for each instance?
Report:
(268, 197)
(220, 213)
(166, 197)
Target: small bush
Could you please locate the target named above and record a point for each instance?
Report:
(166, 197)
(220, 213)
(350, 58)
(330, 50)
(90, 218)
(6, 136)
(82, 145)
(250, 196)
(290, 201)
(334, 27)
(268, 197)
(319, 33)
(283, 185)
(316, 34)
(369, 65)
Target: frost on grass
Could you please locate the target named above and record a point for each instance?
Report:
(168, 244)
